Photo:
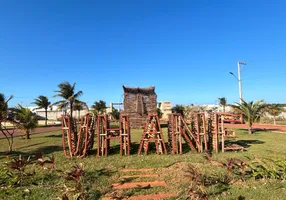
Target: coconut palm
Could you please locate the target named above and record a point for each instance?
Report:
(251, 111)
(274, 110)
(42, 102)
(178, 109)
(27, 120)
(222, 102)
(78, 106)
(99, 107)
(69, 96)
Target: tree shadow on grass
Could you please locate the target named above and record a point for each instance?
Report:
(91, 177)
(245, 143)
(54, 136)
(31, 145)
(47, 149)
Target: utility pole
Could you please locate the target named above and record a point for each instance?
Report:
(239, 80)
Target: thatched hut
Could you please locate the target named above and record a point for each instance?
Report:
(138, 103)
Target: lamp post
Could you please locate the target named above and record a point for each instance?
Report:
(239, 79)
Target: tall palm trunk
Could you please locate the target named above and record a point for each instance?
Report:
(249, 128)
(274, 120)
(46, 112)
(71, 108)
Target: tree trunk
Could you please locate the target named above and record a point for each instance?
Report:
(71, 108)
(10, 147)
(223, 107)
(46, 117)
(274, 120)
(27, 134)
(79, 114)
(249, 130)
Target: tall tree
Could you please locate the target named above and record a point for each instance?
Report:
(70, 97)
(275, 110)
(251, 111)
(222, 102)
(27, 120)
(99, 107)
(43, 102)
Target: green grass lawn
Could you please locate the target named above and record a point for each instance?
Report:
(101, 172)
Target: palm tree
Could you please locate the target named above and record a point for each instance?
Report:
(99, 107)
(179, 109)
(222, 102)
(274, 110)
(78, 106)
(27, 120)
(251, 111)
(70, 97)
(115, 114)
(42, 102)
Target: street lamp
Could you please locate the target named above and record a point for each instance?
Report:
(239, 79)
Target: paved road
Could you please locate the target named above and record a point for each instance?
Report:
(37, 130)
(267, 127)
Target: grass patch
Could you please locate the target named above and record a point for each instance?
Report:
(101, 172)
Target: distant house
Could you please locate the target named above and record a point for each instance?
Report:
(166, 108)
(54, 113)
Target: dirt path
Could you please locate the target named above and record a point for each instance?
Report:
(266, 127)
(37, 130)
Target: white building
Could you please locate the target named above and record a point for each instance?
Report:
(166, 108)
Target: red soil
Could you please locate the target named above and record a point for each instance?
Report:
(140, 176)
(139, 184)
(145, 197)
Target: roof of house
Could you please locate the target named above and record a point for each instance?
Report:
(148, 90)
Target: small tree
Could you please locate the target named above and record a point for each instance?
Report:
(222, 102)
(27, 120)
(115, 114)
(99, 107)
(179, 109)
(43, 102)
(251, 111)
(274, 110)
(8, 132)
(159, 113)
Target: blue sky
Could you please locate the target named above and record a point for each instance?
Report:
(183, 48)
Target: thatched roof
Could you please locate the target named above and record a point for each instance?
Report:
(149, 90)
